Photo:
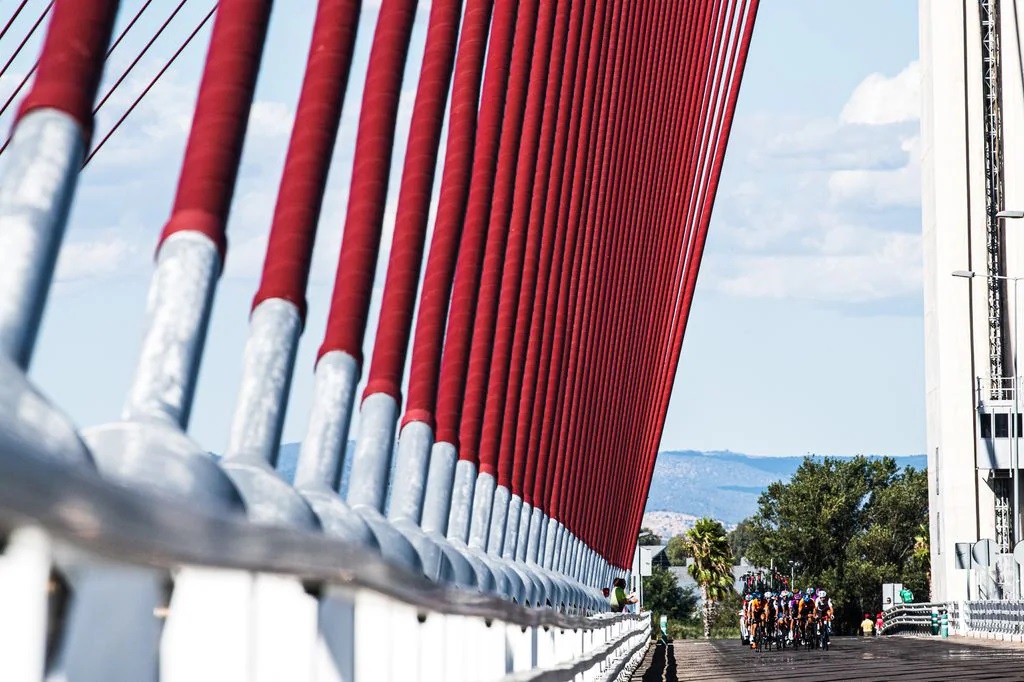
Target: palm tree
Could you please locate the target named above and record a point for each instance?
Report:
(712, 565)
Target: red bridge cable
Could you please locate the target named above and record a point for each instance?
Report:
(140, 55)
(563, 162)
(128, 27)
(583, 359)
(577, 410)
(567, 220)
(360, 245)
(661, 275)
(391, 342)
(617, 272)
(25, 40)
(28, 76)
(694, 264)
(17, 11)
(451, 206)
(451, 387)
(627, 334)
(630, 390)
(522, 373)
(495, 213)
(71, 61)
(625, 112)
(209, 170)
(310, 148)
(698, 172)
(557, 480)
(151, 84)
(524, 242)
(737, 71)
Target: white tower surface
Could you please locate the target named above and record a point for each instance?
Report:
(969, 406)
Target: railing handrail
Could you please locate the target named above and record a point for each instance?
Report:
(75, 505)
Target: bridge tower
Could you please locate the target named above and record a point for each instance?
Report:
(972, 129)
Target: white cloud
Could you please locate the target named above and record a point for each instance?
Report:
(81, 261)
(271, 119)
(879, 100)
(875, 267)
(825, 209)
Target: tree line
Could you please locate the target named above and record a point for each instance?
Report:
(848, 525)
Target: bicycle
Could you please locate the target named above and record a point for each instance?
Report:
(824, 632)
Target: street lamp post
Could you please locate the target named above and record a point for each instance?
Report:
(1015, 385)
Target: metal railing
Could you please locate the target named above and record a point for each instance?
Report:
(983, 619)
(1003, 619)
(102, 582)
(917, 618)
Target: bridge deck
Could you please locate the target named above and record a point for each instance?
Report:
(850, 658)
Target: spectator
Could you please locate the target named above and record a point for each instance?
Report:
(867, 625)
(619, 599)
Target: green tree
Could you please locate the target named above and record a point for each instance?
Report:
(852, 524)
(664, 595)
(647, 537)
(676, 551)
(712, 565)
(740, 538)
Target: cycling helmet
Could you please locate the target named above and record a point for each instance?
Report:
(799, 593)
(822, 593)
(785, 593)
(768, 594)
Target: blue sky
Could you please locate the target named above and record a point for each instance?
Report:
(806, 333)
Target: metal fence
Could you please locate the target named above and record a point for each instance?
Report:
(993, 619)
(918, 618)
(981, 619)
(103, 582)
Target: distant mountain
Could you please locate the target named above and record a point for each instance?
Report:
(689, 483)
(723, 485)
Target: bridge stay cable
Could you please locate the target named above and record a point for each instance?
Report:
(24, 81)
(585, 145)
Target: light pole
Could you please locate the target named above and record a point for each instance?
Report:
(1014, 434)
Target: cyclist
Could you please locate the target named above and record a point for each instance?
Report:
(824, 604)
(805, 610)
(782, 625)
(823, 614)
(755, 614)
(794, 613)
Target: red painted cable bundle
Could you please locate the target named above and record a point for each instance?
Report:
(71, 62)
(478, 369)
(208, 174)
(451, 207)
(392, 339)
(544, 210)
(300, 196)
(524, 237)
(350, 302)
(452, 382)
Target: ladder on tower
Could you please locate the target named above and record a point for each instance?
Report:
(993, 122)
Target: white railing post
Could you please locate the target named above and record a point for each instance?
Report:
(24, 578)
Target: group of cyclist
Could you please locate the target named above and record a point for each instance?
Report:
(780, 619)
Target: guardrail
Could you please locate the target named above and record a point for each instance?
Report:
(909, 618)
(980, 619)
(104, 582)
(992, 619)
